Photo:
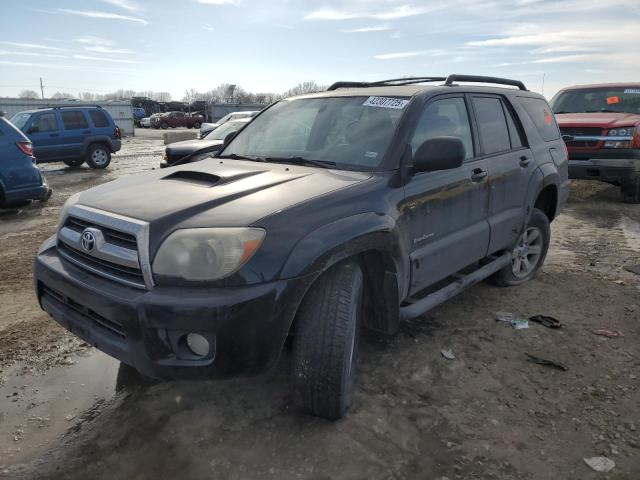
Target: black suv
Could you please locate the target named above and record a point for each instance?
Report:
(360, 206)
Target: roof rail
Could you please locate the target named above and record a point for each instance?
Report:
(383, 83)
(481, 79)
(70, 106)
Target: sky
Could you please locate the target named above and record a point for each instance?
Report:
(270, 46)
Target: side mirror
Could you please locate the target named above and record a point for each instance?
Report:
(33, 129)
(230, 136)
(439, 153)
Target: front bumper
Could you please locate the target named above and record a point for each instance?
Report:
(246, 327)
(612, 170)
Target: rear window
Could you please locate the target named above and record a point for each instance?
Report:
(601, 99)
(542, 117)
(98, 118)
(74, 120)
(492, 124)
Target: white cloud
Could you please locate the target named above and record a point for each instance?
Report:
(219, 2)
(90, 40)
(101, 49)
(379, 28)
(124, 4)
(393, 56)
(395, 13)
(101, 15)
(33, 46)
(208, 27)
(103, 59)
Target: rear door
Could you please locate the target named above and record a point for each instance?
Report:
(503, 145)
(445, 212)
(44, 132)
(75, 130)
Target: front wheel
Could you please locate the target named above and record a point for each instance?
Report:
(325, 345)
(164, 125)
(75, 163)
(196, 125)
(528, 254)
(98, 156)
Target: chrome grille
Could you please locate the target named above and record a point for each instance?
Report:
(113, 252)
(584, 137)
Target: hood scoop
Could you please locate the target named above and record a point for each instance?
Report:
(205, 179)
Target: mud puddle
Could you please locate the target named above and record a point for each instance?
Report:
(38, 409)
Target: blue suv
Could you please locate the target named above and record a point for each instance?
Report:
(73, 135)
(20, 179)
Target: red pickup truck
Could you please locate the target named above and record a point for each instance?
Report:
(600, 125)
(177, 119)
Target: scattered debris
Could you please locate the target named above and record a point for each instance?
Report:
(633, 269)
(448, 354)
(69, 417)
(600, 464)
(603, 332)
(548, 363)
(619, 282)
(546, 321)
(512, 319)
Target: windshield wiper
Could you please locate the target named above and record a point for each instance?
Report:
(296, 160)
(235, 156)
(602, 110)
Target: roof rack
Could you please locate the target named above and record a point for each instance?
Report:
(480, 79)
(77, 105)
(383, 83)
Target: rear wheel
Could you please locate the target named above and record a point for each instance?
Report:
(528, 254)
(164, 125)
(98, 156)
(325, 345)
(631, 190)
(75, 163)
(196, 125)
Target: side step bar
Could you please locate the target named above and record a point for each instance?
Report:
(461, 283)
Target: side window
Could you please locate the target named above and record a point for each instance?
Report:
(446, 117)
(74, 120)
(45, 122)
(492, 124)
(98, 118)
(542, 117)
(514, 132)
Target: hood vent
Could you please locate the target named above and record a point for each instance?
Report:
(202, 179)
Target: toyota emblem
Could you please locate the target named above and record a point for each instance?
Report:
(88, 240)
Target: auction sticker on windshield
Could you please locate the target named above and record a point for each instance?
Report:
(386, 102)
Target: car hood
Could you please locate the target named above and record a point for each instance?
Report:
(189, 146)
(215, 192)
(597, 119)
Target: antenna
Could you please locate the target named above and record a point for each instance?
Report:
(41, 89)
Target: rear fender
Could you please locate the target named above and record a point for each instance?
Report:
(545, 175)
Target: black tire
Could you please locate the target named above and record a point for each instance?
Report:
(630, 190)
(164, 125)
(508, 277)
(196, 125)
(325, 344)
(98, 156)
(75, 163)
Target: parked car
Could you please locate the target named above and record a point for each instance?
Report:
(73, 135)
(147, 122)
(360, 206)
(20, 179)
(196, 150)
(177, 119)
(208, 127)
(601, 126)
(138, 115)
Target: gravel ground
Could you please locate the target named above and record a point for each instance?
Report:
(71, 412)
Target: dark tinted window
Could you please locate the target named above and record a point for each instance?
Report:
(74, 120)
(494, 133)
(45, 122)
(98, 118)
(446, 117)
(514, 132)
(542, 117)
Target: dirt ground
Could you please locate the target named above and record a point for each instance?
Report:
(69, 412)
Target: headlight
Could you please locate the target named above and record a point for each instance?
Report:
(198, 254)
(620, 137)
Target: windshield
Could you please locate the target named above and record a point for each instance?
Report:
(20, 120)
(223, 130)
(353, 132)
(587, 100)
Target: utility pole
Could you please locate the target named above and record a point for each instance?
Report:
(543, 75)
(41, 89)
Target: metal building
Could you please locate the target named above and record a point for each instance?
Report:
(120, 110)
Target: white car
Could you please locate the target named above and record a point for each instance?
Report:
(205, 128)
(145, 122)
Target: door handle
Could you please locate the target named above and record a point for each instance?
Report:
(87, 131)
(524, 161)
(477, 174)
(54, 135)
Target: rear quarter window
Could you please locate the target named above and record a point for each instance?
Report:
(542, 117)
(74, 120)
(98, 118)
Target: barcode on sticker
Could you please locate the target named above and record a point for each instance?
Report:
(386, 102)
(635, 91)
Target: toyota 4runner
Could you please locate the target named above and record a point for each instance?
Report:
(601, 125)
(360, 206)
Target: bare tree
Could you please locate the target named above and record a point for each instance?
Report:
(88, 96)
(162, 97)
(304, 87)
(62, 96)
(29, 94)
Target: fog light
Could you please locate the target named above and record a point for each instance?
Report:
(198, 344)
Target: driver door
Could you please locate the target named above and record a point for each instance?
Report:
(44, 133)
